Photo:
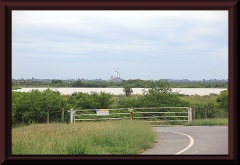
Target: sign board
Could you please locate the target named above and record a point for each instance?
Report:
(102, 112)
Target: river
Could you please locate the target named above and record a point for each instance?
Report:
(117, 91)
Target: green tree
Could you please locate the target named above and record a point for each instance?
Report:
(104, 99)
(55, 81)
(33, 106)
(77, 83)
(127, 90)
(222, 101)
(159, 93)
(80, 100)
(19, 105)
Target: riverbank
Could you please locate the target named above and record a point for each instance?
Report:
(119, 91)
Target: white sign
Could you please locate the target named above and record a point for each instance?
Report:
(102, 112)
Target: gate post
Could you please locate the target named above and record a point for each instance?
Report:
(189, 114)
(71, 115)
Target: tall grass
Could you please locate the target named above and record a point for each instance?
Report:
(197, 99)
(121, 137)
(208, 122)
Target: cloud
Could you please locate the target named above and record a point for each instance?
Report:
(158, 40)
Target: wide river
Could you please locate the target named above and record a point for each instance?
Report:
(117, 91)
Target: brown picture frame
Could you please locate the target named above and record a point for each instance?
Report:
(6, 6)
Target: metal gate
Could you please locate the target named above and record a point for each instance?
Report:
(149, 114)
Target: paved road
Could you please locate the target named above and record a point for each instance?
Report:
(190, 140)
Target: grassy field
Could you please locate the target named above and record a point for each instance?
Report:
(208, 122)
(122, 137)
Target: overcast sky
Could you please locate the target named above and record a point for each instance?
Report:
(90, 44)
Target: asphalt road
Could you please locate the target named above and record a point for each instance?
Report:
(190, 140)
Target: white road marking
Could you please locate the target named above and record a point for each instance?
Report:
(190, 144)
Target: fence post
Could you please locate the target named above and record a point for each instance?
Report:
(71, 116)
(205, 111)
(62, 115)
(190, 109)
(48, 117)
(193, 112)
(130, 111)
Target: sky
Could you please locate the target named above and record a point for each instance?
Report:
(140, 44)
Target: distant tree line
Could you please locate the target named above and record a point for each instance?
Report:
(132, 83)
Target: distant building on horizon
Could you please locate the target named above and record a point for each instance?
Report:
(116, 77)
